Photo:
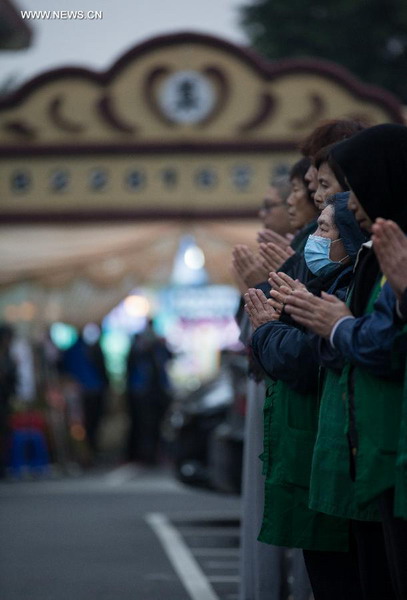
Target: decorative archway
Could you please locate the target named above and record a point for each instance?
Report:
(183, 132)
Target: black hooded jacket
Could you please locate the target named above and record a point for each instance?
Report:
(374, 163)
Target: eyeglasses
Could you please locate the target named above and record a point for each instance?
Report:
(269, 207)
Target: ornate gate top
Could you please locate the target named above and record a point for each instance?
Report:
(182, 123)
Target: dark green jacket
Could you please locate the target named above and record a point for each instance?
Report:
(332, 490)
(400, 500)
(290, 425)
(373, 404)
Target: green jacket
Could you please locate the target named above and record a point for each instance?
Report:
(400, 499)
(377, 405)
(374, 409)
(290, 426)
(331, 490)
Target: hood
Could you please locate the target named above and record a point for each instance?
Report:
(374, 163)
(351, 235)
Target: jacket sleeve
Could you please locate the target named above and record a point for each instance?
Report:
(288, 354)
(374, 341)
(328, 356)
(402, 307)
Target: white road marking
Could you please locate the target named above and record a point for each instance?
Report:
(186, 567)
(183, 518)
(117, 481)
(216, 551)
(224, 578)
(210, 531)
(221, 564)
(122, 475)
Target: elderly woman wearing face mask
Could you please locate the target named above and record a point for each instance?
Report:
(287, 355)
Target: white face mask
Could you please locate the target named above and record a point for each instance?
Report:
(316, 254)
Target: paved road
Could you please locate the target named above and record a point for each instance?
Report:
(123, 534)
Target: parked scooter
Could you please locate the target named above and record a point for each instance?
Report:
(205, 429)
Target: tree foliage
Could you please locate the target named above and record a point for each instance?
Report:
(369, 37)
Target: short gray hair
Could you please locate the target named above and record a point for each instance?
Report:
(282, 185)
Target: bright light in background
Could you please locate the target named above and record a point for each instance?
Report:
(131, 313)
(63, 335)
(91, 333)
(136, 306)
(25, 311)
(11, 313)
(78, 432)
(194, 258)
(115, 345)
(189, 263)
(198, 321)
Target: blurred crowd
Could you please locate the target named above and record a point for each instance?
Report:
(54, 403)
(323, 317)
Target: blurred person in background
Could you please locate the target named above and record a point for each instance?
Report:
(50, 386)
(8, 383)
(84, 362)
(148, 395)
